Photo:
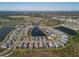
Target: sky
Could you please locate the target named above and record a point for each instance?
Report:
(39, 6)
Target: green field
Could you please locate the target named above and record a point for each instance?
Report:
(51, 22)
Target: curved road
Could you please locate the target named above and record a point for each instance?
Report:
(10, 49)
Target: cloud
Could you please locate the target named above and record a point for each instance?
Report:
(40, 8)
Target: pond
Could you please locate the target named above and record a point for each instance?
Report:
(4, 31)
(66, 30)
(37, 32)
